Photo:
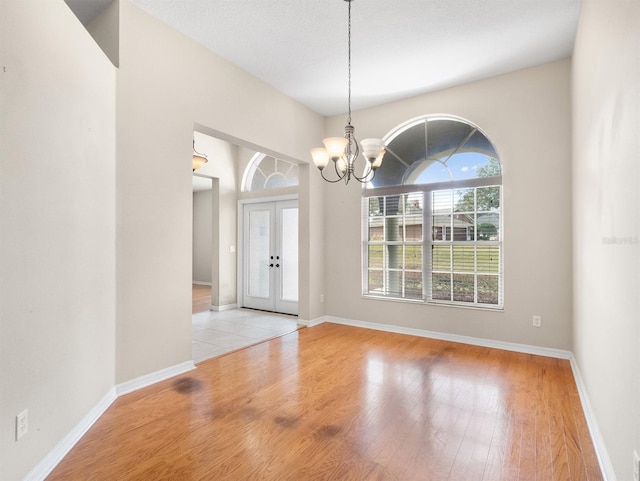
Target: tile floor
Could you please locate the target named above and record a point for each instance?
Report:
(215, 333)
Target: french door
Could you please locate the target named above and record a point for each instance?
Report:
(270, 256)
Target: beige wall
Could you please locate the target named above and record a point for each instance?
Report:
(606, 217)
(527, 116)
(159, 102)
(202, 236)
(57, 248)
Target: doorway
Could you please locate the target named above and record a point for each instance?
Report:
(270, 256)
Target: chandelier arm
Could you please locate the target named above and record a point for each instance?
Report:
(195, 151)
(365, 177)
(329, 180)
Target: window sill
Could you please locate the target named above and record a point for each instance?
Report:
(476, 307)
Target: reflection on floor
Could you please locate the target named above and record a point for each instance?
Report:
(215, 333)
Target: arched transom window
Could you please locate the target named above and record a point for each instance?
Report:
(433, 216)
(265, 172)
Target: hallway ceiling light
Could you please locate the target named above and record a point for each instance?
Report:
(198, 159)
(344, 151)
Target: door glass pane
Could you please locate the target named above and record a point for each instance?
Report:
(258, 253)
(289, 255)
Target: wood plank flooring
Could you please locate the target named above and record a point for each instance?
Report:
(334, 402)
(200, 297)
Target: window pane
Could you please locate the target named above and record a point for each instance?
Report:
(463, 287)
(375, 282)
(471, 165)
(488, 289)
(275, 181)
(429, 171)
(488, 226)
(394, 283)
(413, 228)
(441, 258)
(394, 256)
(488, 259)
(413, 285)
(465, 200)
(488, 198)
(393, 228)
(413, 257)
(463, 227)
(376, 259)
(393, 205)
(441, 227)
(442, 201)
(376, 229)
(289, 236)
(464, 258)
(470, 226)
(446, 136)
(259, 235)
(441, 287)
(376, 205)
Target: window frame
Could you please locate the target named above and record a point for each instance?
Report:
(428, 242)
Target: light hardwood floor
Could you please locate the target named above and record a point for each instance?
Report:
(333, 402)
(200, 298)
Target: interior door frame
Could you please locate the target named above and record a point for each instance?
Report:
(240, 247)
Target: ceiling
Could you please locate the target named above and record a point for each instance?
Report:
(399, 49)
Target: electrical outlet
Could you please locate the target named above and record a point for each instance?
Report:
(636, 466)
(537, 321)
(321, 297)
(22, 424)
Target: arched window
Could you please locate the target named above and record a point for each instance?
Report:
(265, 172)
(433, 216)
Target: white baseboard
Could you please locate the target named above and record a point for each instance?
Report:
(312, 322)
(226, 307)
(51, 460)
(475, 341)
(606, 467)
(198, 283)
(153, 377)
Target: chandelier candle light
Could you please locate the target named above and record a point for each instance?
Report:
(344, 151)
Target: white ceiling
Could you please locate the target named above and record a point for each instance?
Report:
(399, 49)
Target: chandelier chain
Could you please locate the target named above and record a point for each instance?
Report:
(344, 151)
(349, 62)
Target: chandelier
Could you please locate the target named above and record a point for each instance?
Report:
(198, 159)
(344, 151)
